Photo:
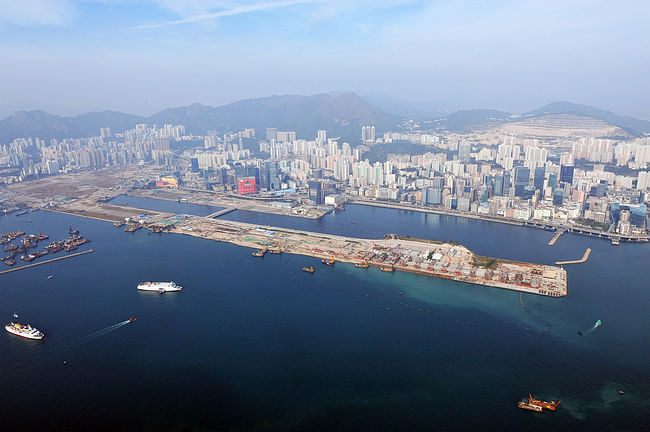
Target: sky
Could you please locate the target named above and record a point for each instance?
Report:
(69, 57)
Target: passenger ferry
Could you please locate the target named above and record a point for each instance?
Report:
(26, 331)
(161, 287)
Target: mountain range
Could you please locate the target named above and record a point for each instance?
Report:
(341, 115)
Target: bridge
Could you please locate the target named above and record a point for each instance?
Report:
(221, 212)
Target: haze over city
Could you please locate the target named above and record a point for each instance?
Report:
(69, 57)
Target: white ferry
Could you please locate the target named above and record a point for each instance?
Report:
(161, 287)
(26, 331)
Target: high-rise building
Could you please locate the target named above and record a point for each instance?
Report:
(464, 149)
(368, 134)
(315, 191)
(497, 185)
(566, 174)
(558, 197)
(538, 177)
(521, 180)
(271, 134)
(322, 137)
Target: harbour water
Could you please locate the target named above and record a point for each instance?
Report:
(257, 344)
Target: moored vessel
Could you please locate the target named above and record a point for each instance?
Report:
(329, 262)
(26, 331)
(308, 269)
(363, 264)
(160, 287)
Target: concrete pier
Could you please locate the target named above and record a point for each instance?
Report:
(584, 258)
(555, 237)
(46, 261)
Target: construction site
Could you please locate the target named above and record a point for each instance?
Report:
(392, 253)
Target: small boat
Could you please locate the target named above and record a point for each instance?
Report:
(388, 269)
(21, 213)
(50, 277)
(361, 264)
(259, 253)
(329, 262)
(616, 241)
(621, 392)
(133, 319)
(308, 269)
(10, 262)
(73, 231)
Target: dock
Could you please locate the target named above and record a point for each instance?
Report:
(46, 261)
(555, 237)
(222, 212)
(584, 258)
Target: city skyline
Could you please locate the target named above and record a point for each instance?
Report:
(68, 58)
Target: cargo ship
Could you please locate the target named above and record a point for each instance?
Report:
(161, 287)
(26, 331)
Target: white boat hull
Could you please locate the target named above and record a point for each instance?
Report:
(32, 333)
(160, 287)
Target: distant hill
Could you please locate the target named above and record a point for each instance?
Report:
(629, 124)
(342, 115)
(468, 120)
(43, 125)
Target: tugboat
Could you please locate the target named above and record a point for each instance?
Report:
(329, 262)
(259, 253)
(537, 405)
(308, 269)
(10, 262)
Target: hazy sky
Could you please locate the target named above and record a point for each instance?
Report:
(68, 57)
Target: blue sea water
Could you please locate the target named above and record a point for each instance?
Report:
(257, 344)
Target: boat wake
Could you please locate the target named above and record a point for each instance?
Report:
(99, 333)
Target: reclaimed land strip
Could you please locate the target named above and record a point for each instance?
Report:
(437, 259)
(46, 261)
(426, 257)
(584, 258)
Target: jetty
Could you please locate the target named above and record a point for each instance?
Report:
(584, 258)
(46, 261)
(555, 237)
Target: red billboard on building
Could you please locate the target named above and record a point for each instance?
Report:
(247, 185)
